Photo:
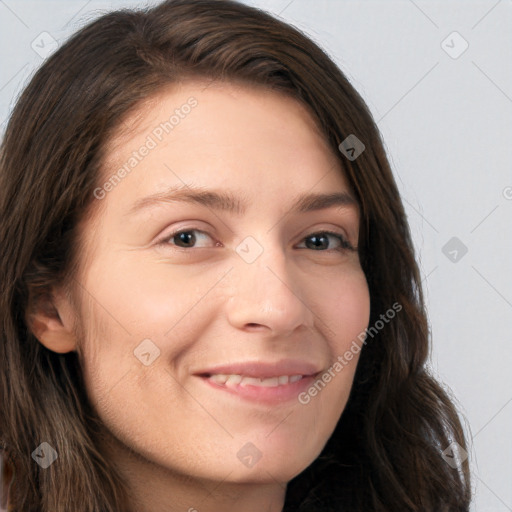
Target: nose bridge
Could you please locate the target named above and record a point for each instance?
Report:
(263, 290)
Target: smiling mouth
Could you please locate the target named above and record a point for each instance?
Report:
(268, 390)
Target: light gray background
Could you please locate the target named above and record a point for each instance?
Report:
(447, 126)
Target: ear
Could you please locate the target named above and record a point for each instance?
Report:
(51, 320)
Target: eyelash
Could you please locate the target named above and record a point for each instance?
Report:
(345, 245)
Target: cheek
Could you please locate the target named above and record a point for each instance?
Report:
(346, 309)
(132, 316)
(147, 296)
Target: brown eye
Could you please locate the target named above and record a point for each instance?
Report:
(184, 239)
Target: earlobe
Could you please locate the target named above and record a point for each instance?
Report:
(51, 323)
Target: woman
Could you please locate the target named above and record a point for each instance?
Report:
(210, 298)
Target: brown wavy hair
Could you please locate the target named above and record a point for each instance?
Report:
(386, 451)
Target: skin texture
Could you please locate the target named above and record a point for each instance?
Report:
(174, 437)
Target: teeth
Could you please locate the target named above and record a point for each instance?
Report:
(219, 378)
(232, 381)
(271, 382)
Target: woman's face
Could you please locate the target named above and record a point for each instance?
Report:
(178, 329)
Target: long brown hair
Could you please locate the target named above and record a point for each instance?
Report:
(386, 451)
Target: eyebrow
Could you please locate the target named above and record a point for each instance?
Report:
(225, 201)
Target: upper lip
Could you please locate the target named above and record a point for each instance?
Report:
(263, 370)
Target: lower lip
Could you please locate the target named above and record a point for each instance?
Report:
(268, 395)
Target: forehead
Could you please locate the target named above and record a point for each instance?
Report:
(221, 108)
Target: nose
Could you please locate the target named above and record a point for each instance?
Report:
(266, 295)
